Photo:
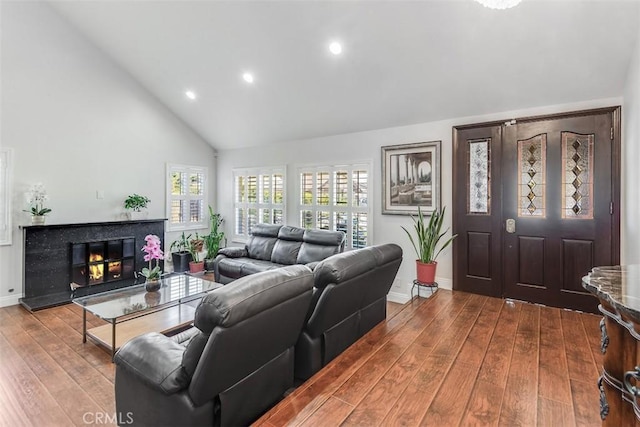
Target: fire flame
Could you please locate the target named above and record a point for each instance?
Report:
(115, 270)
(96, 271)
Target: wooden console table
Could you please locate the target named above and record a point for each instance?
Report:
(618, 289)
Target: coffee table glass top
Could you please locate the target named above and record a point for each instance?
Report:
(174, 289)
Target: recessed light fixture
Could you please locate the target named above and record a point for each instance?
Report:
(499, 4)
(335, 48)
(247, 77)
(190, 94)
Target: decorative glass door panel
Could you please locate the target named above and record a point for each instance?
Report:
(532, 161)
(479, 178)
(577, 186)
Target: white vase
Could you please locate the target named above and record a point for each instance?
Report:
(37, 219)
(136, 216)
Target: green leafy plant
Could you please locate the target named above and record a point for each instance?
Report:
(428, 235)
(136, 202)
(194, 248)
(213, 239)
(182, 244)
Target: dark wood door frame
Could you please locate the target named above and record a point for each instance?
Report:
(497, 219)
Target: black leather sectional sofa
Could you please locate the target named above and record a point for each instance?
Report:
(251, 338)
(274, 246)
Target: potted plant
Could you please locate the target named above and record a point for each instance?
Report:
(134, 204)
(195, 246)
(180, 254)
(213, 239)
(152, 252)
(427, 237)
(37, 195)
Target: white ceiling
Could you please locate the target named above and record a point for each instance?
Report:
(403, 62)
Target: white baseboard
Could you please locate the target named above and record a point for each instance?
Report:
(403, 297)
(397, 297)
(10, 300)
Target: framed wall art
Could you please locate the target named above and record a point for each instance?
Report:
(411, 178)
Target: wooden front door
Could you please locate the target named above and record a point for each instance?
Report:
(542, 212)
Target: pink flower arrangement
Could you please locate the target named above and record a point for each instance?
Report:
(153, 252)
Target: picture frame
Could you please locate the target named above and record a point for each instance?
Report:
(411, 178)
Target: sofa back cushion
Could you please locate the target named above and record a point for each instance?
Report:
(287, 247)
(320, 244)
(263, 239)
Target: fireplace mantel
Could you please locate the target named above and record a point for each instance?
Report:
(90, 224)
(47, 272)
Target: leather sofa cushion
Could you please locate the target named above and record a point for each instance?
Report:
(324, 237)
(156, 360)
(285, 252)
(310, 252)
(295, 234)
(343, 267)
(232, 267)
(385, 253)
(263, 238)
(252, 266)
(320, 244)
(266, 230)
(260, 247)
(250, 295)
(233, 252)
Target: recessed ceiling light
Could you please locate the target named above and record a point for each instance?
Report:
(335, 48)
(190, 94)
(248, 77)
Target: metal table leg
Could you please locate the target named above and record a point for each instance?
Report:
(84, 325)
(113, 339)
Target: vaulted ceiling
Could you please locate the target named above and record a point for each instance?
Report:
(402, 62)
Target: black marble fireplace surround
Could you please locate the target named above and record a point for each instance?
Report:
(49, 263)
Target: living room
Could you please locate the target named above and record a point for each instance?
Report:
(92, 109)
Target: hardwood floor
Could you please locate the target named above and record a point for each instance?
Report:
(452, 359)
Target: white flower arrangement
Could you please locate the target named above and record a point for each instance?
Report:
(36, 197)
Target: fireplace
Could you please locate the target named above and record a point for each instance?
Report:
(65, 261)
(102, 261)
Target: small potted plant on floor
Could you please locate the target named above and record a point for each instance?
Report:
(180, 254)
(425, 243)
(195, 246)
(37, 196)
(136, 206)
(213, 239)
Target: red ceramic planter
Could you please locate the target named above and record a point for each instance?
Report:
(426, 272)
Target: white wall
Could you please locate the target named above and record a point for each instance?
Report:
(359, 146)
(630, 226)
(78, 123)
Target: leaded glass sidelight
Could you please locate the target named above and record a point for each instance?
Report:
(532, 159)
(577, 176)
(479, 176)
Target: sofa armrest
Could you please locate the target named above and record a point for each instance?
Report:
(155, 360)
(234, 252)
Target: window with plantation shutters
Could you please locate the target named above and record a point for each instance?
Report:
(336, 198)
(258, 198)
(186, 197)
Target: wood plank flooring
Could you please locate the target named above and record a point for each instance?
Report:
(452, 359)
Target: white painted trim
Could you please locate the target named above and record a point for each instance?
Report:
(398, 297)
(10, 300)
(444, 283)
(6, 170)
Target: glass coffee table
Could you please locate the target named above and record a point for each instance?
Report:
(135, 311)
